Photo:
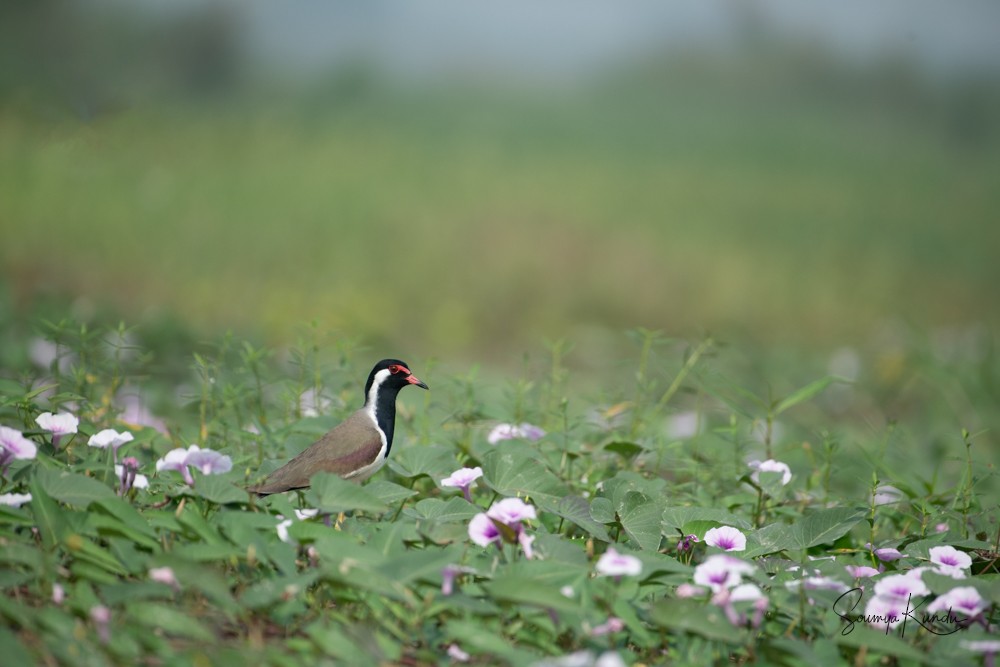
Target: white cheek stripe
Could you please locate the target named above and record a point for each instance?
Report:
(370, 409)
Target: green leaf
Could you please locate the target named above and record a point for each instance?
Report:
(770, 539)
(627, 450)
(510, 471)
(825, 526)
(675, 518)
(388, 492)
(13, 650)
(537, 583)
(576, 510)
(331, 494)
(161, 618)
(221, 489)
(879, 642)
(435, 461)
(602, 511)
(276, 589)
(50, 518)
(73, 489)
(805, 393)
(452, 510)
(641, 516)
(687, 616)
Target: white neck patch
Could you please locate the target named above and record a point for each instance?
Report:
(370, 401)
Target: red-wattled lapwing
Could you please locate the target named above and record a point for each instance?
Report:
(357, 447)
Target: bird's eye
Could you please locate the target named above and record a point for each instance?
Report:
(394, 369)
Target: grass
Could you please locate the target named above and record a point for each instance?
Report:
(682, 201)
(612, 471)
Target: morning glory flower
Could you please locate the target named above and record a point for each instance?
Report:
(901, 586)
(457, 654)
(13, 445)
(770, 465)
(58, 425)
(208, 461)
(965, 599)
(110, 438)
(886, 554)
(686, 590)
(886, 495)
(101, 616)
(503, 521)
(164, 575)
(861, 571)
(58, 594)
(524, 431)
(129, 477)
(15, 499)
(463, 479)
(949, 559)
(610, 626)
(885, 612)
(726, 538)
(483, 531)
(721, 571)
(613, 564)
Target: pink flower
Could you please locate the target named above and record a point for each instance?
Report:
(722, 571)
(901, 586)
(13, 445)
(58, 594)
(463, 479)
(511, 431)
(164, 575)
(209, 462)
(101, 616)
(861, 571)
(726, 538)
(60, 424)
(886, 554)
(503, 521)
(950, 557)
(685, 591)
(129, 477)
(965, 599)
(610, 626)
(457, 654)
(886, 495)
(885, 612)
(613, 564)
(770, 465)
(511, 511)
(483, 531)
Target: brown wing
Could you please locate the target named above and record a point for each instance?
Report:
(352, 444)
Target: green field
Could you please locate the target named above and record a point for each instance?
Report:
(468, 224)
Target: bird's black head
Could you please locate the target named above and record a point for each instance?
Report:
(391, 374)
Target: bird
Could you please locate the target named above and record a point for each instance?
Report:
(357, 447)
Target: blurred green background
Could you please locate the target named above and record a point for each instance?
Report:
(462, 181)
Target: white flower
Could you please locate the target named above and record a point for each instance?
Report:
(901, 586)
(885, 612)
(614, 564)
(283, 529)
(15, 499)
(511, 431)
(209, 462)
(511, 510)
(457, 654)
(307, 513)
(886, 495)
(965, 599)
(13, 445)
(61, 424)
(721, 571)
(463, 477)
(726, 538)
(770, 465)
(164, 575)
(140, 481)
(109, 438)
(950, 557)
